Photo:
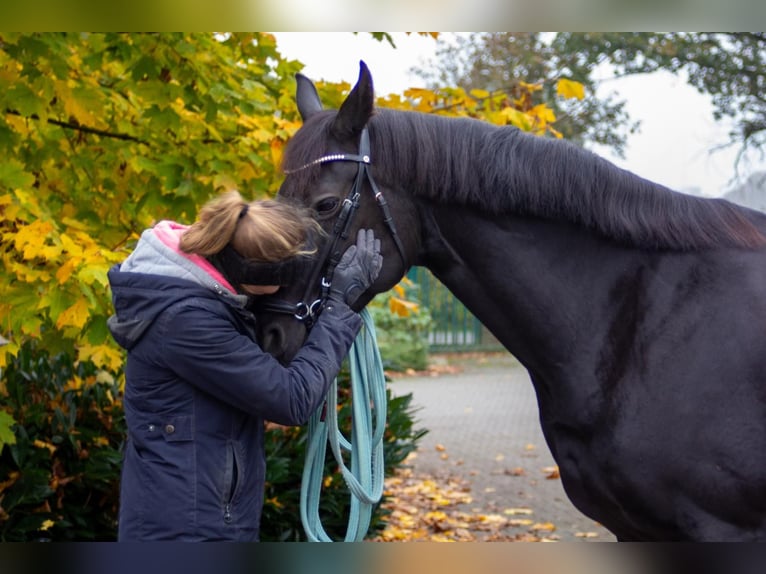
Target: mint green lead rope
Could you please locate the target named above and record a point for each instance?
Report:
(368, 412)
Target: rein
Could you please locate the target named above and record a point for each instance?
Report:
(329, 256)
(365, 477)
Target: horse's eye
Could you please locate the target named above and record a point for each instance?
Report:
(326, 206)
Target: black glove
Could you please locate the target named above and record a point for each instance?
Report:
(357, 269)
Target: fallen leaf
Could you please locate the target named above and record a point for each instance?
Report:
(551, 472)
(517, 511)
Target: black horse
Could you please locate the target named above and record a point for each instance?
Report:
(639, 312)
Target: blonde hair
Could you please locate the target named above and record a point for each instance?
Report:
(265, 230)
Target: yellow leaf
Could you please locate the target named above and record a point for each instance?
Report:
(551, 472)
(517, 511)
(65, 271)
(75, 316)
(543, 113)
(531, 87)
(570, 89)
(481, 94)
(101, 355)
(31, 238)
(46, 524)
(70, 245)
(402, 307)
(7, 352)
(79, 103)
(42, 444)
(277, 147)
(73, 384)
(517, 118)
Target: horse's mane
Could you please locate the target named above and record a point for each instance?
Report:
(502, 169)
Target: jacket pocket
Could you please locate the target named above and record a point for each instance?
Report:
(175, 429)
(230, 481)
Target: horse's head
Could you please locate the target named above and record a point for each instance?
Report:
(330, 169)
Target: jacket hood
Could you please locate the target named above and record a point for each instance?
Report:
(157, 275)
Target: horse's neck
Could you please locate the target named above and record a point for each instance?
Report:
(531, 283)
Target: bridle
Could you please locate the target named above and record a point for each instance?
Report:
(329, 256)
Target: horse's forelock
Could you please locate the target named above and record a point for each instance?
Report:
(309, 143)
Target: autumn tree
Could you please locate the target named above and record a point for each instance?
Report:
(104, 133)
(730, 67)
(506, 63)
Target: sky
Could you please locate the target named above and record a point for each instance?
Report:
(673, 145)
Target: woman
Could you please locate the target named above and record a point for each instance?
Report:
(198, 387)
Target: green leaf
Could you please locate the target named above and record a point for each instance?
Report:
(6, 432)
(13, 174)
(146, 67)
(8, 137)
(22, 99)
(165, 118)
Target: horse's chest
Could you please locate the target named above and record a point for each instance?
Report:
(596, 455)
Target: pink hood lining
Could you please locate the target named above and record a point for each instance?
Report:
(170, 232)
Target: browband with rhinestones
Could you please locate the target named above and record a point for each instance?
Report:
(329, 158)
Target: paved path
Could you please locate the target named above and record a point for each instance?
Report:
(484, 427)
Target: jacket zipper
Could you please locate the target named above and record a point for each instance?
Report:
(230, 482)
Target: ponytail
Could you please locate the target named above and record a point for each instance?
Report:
(266, 230)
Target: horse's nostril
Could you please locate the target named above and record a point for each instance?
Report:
(281, 340)
(272, 340)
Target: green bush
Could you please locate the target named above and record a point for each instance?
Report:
(402, 337)
(60, 480)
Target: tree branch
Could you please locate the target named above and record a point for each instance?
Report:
(85, 129)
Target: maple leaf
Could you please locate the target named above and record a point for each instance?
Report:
(31, 239)
(570, 89)
(6, 432)
(74, 316)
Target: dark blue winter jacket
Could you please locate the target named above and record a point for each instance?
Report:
(198, 389)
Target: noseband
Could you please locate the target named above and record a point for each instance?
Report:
(329, 256)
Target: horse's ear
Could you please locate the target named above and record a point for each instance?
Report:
(357, 108)
(306, 97)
